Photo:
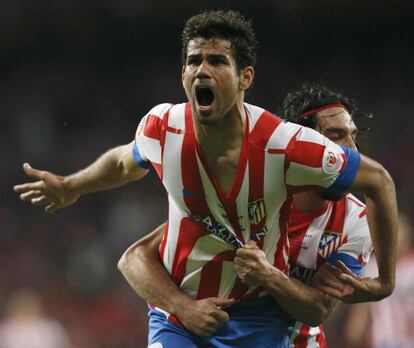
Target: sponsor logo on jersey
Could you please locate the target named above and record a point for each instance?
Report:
(217, 229)
(260, 235)
(303, 274)
(329, 243)
(256, 211)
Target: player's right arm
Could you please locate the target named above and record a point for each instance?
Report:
(114, 168)
(315, 160)
(142, 268)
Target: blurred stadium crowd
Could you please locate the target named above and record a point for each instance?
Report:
(75, 78)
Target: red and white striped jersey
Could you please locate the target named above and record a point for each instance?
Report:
(205, 225)
(339, 230)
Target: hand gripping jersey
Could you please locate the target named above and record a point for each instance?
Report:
(205, 225)
(338, 231)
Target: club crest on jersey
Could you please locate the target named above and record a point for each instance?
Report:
(256, 211)
(329, 243)
(332, 161)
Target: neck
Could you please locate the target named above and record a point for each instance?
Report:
(227, 132)
(308, 202)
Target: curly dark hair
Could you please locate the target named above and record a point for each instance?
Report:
(228, 25)
(309, 97)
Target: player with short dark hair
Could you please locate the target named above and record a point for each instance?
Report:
(230, 170)
(320, 233)
(229, 25)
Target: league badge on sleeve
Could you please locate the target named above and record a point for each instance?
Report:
(332, 160)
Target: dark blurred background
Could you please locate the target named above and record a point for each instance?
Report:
(77, 76)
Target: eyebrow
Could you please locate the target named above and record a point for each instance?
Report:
(209, 55)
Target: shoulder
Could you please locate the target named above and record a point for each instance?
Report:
(268, 130)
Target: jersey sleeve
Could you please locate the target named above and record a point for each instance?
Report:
(314, 160)
(356, 246)
(147, 148)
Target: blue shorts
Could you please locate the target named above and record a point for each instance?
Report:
(253, 323)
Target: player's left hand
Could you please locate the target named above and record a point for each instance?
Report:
(339, 281)
(251, 264)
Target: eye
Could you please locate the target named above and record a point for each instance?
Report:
(193, 60)
(217, 60)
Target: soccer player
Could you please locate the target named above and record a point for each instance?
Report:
(323, 228)
(319, 230)
(230, 170)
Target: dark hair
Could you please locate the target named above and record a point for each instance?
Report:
(309, 97)
(228, 25)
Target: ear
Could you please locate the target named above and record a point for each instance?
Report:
(182, 73)
(246, 77)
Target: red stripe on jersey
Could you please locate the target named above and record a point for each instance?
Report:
(358, 203)
(211, 275)
(301, 340)
(239, 289)
(258, 139)
(153, 127)
(283, 243)
(158, 169)
(194, 198)
(289, 150)
(188, 235)
(337, 218)
(164, 241)
(321, 338)
(194, 195)
(307, 153)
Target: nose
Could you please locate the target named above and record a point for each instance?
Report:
(203, 71)
(349, 141)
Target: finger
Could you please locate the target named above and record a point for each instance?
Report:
(331, 292)
(330, 282)
(223, 302)
(250, 245)
(40, 201)
(246, 253)
(341, 266)
(27, 196)
(221, 316)
(51, 208)
(30, 186)
(207, 331)
(33, 173)
(352, 281)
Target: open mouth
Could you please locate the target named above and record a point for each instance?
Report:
(204, 95)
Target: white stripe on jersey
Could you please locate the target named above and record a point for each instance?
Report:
(300, 175)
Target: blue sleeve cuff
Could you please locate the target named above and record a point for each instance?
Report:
(138, 159)
(349, 261)
(347, 177)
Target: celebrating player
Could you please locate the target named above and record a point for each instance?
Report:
(230, 170)
(319, 231)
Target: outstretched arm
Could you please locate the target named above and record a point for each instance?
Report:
(304, 303)
(114, 168)
(142, 268)
(375, 182)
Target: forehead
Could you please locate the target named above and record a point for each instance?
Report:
(200, 45)
(337, 117)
